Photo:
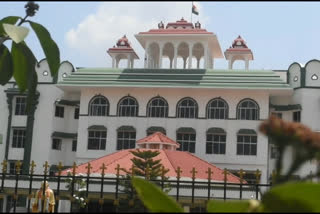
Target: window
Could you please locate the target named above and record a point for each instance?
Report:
(296, 116)
(216, 143)
(21, 202)
(76, 113)
(187, 140)
(158, 107)
(248, 110)
(12, 167)
(277, 114)
(99, 106)
(74, 145)
(97, 140)
(18, 138)
(187, 108)
(246, 144)
(59, 111)
(217, 109)
(21, 104)
(128, 107)
(56, 144)
(126, 139)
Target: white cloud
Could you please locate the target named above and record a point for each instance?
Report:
(101, 30)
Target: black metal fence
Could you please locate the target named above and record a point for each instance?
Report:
(102, 192)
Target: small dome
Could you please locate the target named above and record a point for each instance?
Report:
(123, 42)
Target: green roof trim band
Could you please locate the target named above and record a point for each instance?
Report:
(64, 135)
(98, 127)
(286, 107)
(247, 131)
(215, 130)
(191, 78)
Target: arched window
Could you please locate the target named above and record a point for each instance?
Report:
(246, 142)
(248, 110)
(126, 138)
(216, 141)
(217, 109)
(99, 106)
(128, 107)
(186, 137)
(157, 107)
(187, 108)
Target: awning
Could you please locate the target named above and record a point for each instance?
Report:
(126, 128)
(64, 135)
(286, 107)
(186, 130)
(156, 129)
(216, 130)
(247, 131)
(68, 102)
(98, 127)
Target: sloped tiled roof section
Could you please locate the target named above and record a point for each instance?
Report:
(169, 159)
(157, 137)
(174, 78)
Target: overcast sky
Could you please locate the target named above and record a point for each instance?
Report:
(278, 33)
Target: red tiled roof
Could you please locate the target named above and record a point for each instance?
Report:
(158, 137)
(170, 160)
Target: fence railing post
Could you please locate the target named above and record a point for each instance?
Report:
(15, 196)
(193, 172)
(225, 179)
(32, 165)
(87, 186)
(209, 172)
(4, 171)
(101, 201)
(46, 166)
(258, 173)
(241, 174)
(178, 171)
(60, 166)
(74, 167)
(116, 201)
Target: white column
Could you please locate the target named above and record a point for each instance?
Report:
(113, 62)
(132, 60)
(117, 63)
(160, 55)
(146, 56)
(206, 57)
(184, 63)
(190, 56)
(230, 64)
(171, 60)
(247, 64)
(198, 63)
(175, 56)
(128, 61)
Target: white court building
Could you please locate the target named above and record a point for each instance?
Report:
(87, 113)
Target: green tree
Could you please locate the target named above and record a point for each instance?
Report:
(143, 164)
(19, 62)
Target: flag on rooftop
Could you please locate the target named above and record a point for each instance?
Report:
(195, 9)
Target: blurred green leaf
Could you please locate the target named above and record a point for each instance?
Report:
(16, 33)
(293, 197)
(23, 64)
(216, 206)
(6, 67)
(49, 47)
(9, 20)
(153, 198)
